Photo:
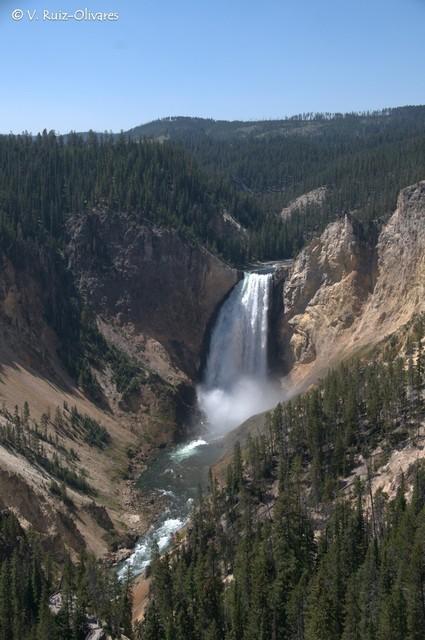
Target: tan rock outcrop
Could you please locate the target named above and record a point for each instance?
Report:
(344, 291)
(399, 292)
(315, 197)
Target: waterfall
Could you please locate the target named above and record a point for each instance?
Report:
(239, 339)
(235, 386)
(235, 381)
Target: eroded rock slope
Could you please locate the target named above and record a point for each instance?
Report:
(151, 295)
(149, 281)
(345, 291)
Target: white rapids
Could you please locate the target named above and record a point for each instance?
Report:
(142, 554)
(187, 450)
(235, 386)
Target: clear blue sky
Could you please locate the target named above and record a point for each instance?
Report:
(214, 58)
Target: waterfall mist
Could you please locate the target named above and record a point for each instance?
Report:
(236, 384)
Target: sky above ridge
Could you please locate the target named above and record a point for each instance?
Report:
(220, 59)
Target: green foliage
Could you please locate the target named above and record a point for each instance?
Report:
(44, 180)
(355, 408)
(27, 581)
(311, 563)
(363, 160)
(250, 172)
(59, 490)
(92, 431)
(127, 375)
(43, 449)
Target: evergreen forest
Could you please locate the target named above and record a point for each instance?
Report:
(293, 546)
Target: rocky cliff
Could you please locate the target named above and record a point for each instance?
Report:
(345, 291)
(152, 295)
(149, 282)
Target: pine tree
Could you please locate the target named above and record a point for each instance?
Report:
(46, 628)
(259, 622)
(352, 629)
(151, 628)
(6, 632)
(416, 585)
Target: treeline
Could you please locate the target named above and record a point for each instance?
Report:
(285, 550)
(249, 170)
(44, 180)
(29, 578)
(364, 160)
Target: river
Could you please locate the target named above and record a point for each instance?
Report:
(176, 474)
(235, 386)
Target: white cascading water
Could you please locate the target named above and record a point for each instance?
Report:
(235, 387)
(235, 384)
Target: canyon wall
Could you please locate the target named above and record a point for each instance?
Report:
(149, 281)
(151, 295)
(345, 291)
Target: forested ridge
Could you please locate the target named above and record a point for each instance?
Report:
(363, 160)
(45, 180)
(290, 547)
(206, 168)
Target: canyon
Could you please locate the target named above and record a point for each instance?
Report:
(154, 296)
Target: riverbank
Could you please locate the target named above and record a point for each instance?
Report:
(222, 453)
(169, 486)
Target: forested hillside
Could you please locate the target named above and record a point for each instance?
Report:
(247, 171)
(363, 160)
(288, 548)
(29, 576)
(45, 179)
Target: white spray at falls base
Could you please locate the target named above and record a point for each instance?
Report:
(236, 384)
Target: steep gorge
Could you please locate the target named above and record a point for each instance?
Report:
(150, 294)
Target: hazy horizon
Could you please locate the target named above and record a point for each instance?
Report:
(198, 117)
(224, 61)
